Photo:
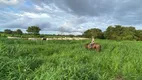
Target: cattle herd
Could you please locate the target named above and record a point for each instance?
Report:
(64, 38)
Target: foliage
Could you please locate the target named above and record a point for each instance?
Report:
(33, 30)
(8, 31)
(69, 60)
(96, 33)
(116, 32)
(138, 34)
(119, 32)
(18, 31)
(13, 33)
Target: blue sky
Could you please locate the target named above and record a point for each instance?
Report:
(69, 16)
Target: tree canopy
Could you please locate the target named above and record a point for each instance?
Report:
(33, 30)
(95, 32)
(116, 32)
(138, 35)
(8, 31)
(18, 31)
(119, 32)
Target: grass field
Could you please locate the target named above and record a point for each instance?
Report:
(69, 60)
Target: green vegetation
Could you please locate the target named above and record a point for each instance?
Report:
(116, 32)
(119, 32)
(7, 31)
(96, 33)
(69, 60)
(33, 30)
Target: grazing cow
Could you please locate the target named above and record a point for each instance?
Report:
(93, 46)
(49, 39)
(76, 39)
(43, 38)
(64, 38)
(69, 39)
(34, 39)
(55, 38)
(59, 38)
(13, 37)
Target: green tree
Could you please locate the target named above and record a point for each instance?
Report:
(95, 32)
(8, 31)
(138, 35)
(109, 33)
(128, 33)
(119, 32)
(18, 31)
(33, 30)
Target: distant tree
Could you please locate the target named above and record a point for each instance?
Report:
(18, 31)
(128, 33)
(71, 35)
(95, 32)
(14, 32)
(1, 32)
(119, 32)
(138, 35)
(109, 33)
(33, 30)
(8, 31)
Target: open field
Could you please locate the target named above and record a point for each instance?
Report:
(69, 60)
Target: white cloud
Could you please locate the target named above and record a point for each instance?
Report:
(38, 8)
(35, 15)
(9, 2)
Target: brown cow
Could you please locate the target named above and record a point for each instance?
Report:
(93, 46)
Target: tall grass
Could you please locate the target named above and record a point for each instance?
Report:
(69, 60)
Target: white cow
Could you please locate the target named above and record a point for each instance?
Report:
(49, 39)
(35, 39)
(59, 39)
(13, 37)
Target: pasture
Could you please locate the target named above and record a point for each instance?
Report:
(69, 60)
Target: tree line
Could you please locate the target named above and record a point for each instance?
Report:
(116, 32)
(31, 30)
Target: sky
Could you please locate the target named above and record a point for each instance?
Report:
(69, 16)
